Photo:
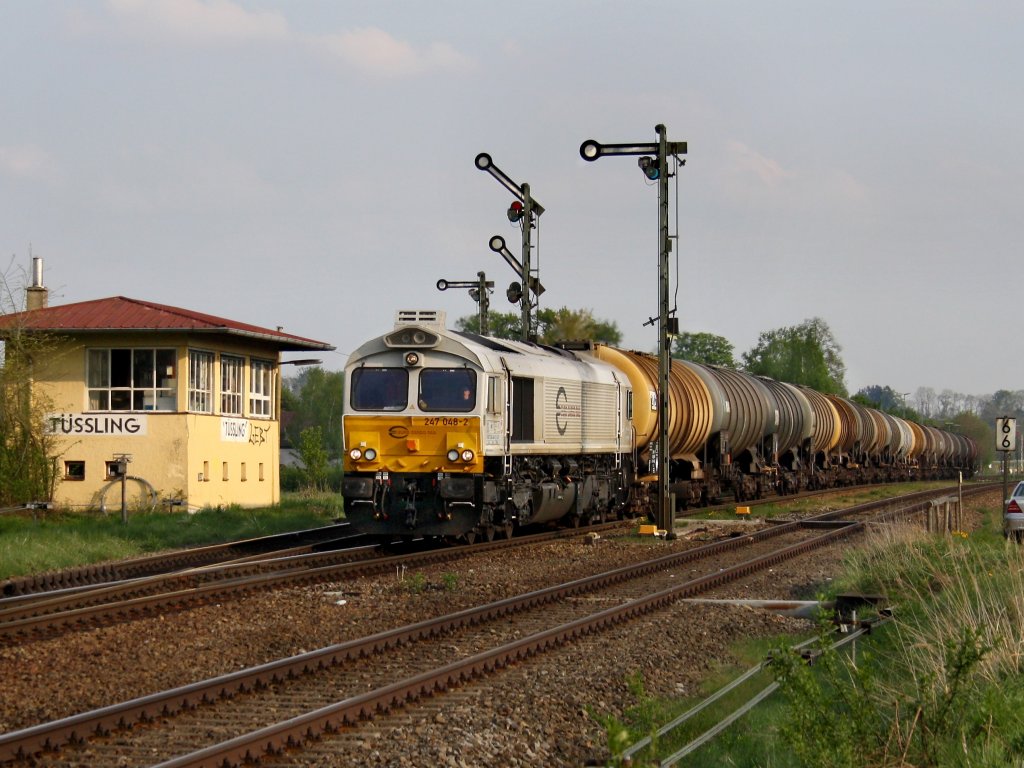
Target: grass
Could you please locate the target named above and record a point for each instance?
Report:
(58, 540)
(940, 685)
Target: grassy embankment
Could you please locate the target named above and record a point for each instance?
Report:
(941, 685)
(57, 540)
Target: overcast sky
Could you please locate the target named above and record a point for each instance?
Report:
(310, 165)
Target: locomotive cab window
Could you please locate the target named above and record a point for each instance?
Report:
(447, 389)
(380, 389)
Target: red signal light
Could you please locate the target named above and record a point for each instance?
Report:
(515, 211)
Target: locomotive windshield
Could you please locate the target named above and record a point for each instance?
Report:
(447, 389)
(380, 389)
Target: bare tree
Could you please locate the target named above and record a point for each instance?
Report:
(28, 455)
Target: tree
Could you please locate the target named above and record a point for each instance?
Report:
(314, 457)
(28, 453)
(314, 398)
(887, 399)
(805, 354)
(981, 432)
(552, 326)
(1004, 403)
(501, 325)
(704, 348)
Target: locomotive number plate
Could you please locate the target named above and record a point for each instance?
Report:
(443, 421)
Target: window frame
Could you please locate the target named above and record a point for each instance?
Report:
(375, 398)
(74, 476)
(200, 380)
(128, 388)
(261, 403)
(439, 390)
(232, 385)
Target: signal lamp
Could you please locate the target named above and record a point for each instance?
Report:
(411, 358)
(453, 455)
(649, 166)
(370, 454)
(355, 454)
(467, 455)
(515, 211)
(514, 292)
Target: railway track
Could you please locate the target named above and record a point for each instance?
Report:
(340, 686)
(118, 592)
(49, 614)
(282, 544)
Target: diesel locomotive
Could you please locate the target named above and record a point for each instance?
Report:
(457, 435)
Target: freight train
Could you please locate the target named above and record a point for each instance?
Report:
(457, 435)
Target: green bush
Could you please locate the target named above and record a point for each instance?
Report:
(942, 684)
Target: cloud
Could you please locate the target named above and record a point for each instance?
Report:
(196, 22)
(27, 162)
(374, 51)
(753, 177)
(368, 50)
(747, 162)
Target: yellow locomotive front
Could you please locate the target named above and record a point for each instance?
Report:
(413, 436)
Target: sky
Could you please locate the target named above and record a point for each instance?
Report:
(310, 165)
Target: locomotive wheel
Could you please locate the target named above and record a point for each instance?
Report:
(507, 530)
(489, 532)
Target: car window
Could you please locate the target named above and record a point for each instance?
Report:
(1019, 490)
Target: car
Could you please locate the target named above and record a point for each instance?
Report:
(1013, 514)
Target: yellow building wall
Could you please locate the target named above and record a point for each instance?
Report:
(201, 459)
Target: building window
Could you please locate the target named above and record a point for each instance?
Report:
(243, 478)
(231, 369)
(261, 472)
(131, 379)
(224, 470)
(261, 389)
(200, 381)
(74, 470)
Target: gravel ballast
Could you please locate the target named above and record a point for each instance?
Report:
(541, 712)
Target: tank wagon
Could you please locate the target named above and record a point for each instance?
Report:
(459, 435)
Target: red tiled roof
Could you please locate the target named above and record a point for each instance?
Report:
(119, 313)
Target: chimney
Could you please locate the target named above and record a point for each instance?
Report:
(36, 296)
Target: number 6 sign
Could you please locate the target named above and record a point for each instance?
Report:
(1006, 434)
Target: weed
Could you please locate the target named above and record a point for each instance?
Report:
(416, 583)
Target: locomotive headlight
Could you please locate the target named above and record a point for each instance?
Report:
(453, 455)
(467, 455)
(355, 454)
(411, 358)
(370, 454)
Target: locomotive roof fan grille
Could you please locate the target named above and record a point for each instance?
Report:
(431, 318)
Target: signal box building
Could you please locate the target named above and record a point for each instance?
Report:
(191, 399)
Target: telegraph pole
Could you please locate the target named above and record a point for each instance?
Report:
(656, 169)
